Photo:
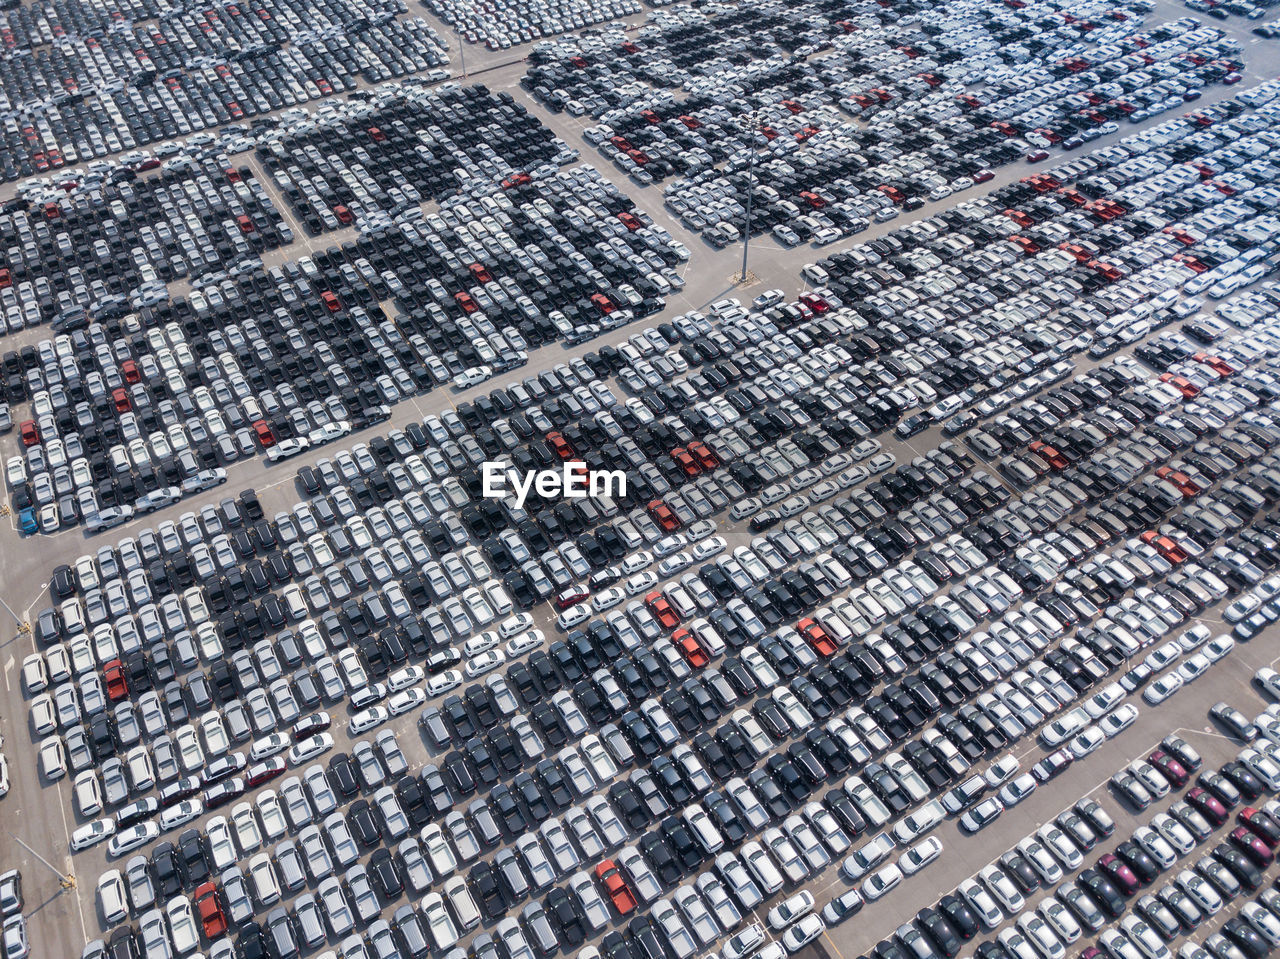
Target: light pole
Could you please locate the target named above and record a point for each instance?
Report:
(65, 879)
(750, 122)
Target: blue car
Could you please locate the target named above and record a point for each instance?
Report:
(27, 521)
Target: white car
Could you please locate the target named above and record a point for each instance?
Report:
(182, 925)
(444, 682)
(1118, 720)
(486, 661)
(127, 840)
(1017, 790)
(308, 749)
(262, 874)
(472, 376)
(789, 910)
(368, 719)
(268, 746)
(802, 933)
(920, 855)
(180, 814)
(92, 833)
(112, 897)
(881, 883)
(404, 701)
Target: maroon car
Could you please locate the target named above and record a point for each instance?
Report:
(1170, 768)
(1119, 873)
(1261, 825)
(1208, 805)
(1259, 852)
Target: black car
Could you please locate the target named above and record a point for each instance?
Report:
(363, 823)
(193, 852)
(567, 916)
(1137, 859)
(960, 916)
(940, 931)
(342, 776)
(484, 884)
(1102, 891)
(385, 874)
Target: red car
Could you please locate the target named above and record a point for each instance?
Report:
(121, 400)
(1183, 483)
(817, 637)
(117, 685)
(892, 192)
(1261, 825)
(464, 300)
(602, 303)
(561, 445)
(684, 459)
(245, 224)
(690, 649)
(620, 894)
(30, 435)
(515, 180)
(630, 221)
(815, 302)
(662, 610)
(343, 213)
(1056, 461)
(1208, 805)
(662, 515)
(1119, 873)
(310, 725)
(1081, 254)
(1259, 853)
(330, 301)
(1169, 768)
(1029, 247)
(703, 454)
(1182, 384)
(1215, 363)
(265, 436)
(129, 370)
(480, 273)
(571, 596)
(265, 771)
(209, 906)
(378, 135)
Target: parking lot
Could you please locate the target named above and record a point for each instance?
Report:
(984, 489)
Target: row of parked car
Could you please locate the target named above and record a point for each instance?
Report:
(778, 684)
(824, 177)
(106, 241)
(638, 740)
(196, 391)
(501, 27)
(1100, 894)
(125, 78)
